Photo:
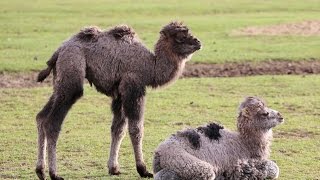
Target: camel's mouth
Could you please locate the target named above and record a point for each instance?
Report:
(281, 120)
(198, 47)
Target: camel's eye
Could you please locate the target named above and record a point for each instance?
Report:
(265, 114)
(179, 40)
(185, 31)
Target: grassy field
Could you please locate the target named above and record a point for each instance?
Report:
(31, 31)
(84, 142)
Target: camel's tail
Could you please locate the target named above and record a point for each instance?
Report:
(51, 63)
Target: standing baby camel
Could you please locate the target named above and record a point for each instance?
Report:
(212, 152)
(118, 65)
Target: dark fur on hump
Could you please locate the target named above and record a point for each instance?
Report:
(89, 33)
(122, 31)
(192, 136)
(211, 131)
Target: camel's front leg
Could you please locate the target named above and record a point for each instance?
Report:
(136, 135)
(133, 106)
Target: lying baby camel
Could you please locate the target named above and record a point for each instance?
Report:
(212, 152)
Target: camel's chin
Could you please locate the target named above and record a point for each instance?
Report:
(189, 57)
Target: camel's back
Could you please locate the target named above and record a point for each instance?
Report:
(123, 55)
(113, 54)
(125, 51)
(118, 47)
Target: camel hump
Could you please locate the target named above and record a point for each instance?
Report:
(122, 31)
(89, 33)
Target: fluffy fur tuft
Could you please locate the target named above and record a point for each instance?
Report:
(89, 33)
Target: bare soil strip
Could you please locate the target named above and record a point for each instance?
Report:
(28, 80)
(305, 28)
(250, 69)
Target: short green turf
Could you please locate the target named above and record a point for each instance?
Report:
(83, 146)
(31, 31)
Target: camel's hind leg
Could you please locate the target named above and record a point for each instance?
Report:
(68, 88)
(179, 163)
(65, 97)
(118, 128)
(41, 117)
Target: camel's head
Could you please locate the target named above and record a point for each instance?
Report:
(254, 114)
(180, 39)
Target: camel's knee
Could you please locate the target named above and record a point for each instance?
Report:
(40, 119)
(206, 172)
(118, 126)
(272, 170)
(42, 115)
(166, 174)
(198, 171)
(51, 129)
(118, 130)
(135, 130)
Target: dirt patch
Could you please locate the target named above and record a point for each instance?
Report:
(305, 28)
(21, 80)
(249, 69)
(27, 80)
(295, 133)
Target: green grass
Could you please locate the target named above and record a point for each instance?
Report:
(85, 139)
(31, 31)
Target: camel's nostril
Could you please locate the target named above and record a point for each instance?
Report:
(198, 43)
(281, 119)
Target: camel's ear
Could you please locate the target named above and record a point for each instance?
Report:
(245, 112)
(164, 33)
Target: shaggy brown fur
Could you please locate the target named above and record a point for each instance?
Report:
(118, 65)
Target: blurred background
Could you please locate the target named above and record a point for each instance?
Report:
(30, 31)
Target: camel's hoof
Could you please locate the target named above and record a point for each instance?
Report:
(114, 171)
(142, 170)
(40, 173)
(55, 177)
(146, 175)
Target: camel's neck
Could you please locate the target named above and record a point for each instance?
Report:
(257, 143)
(168, 65)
